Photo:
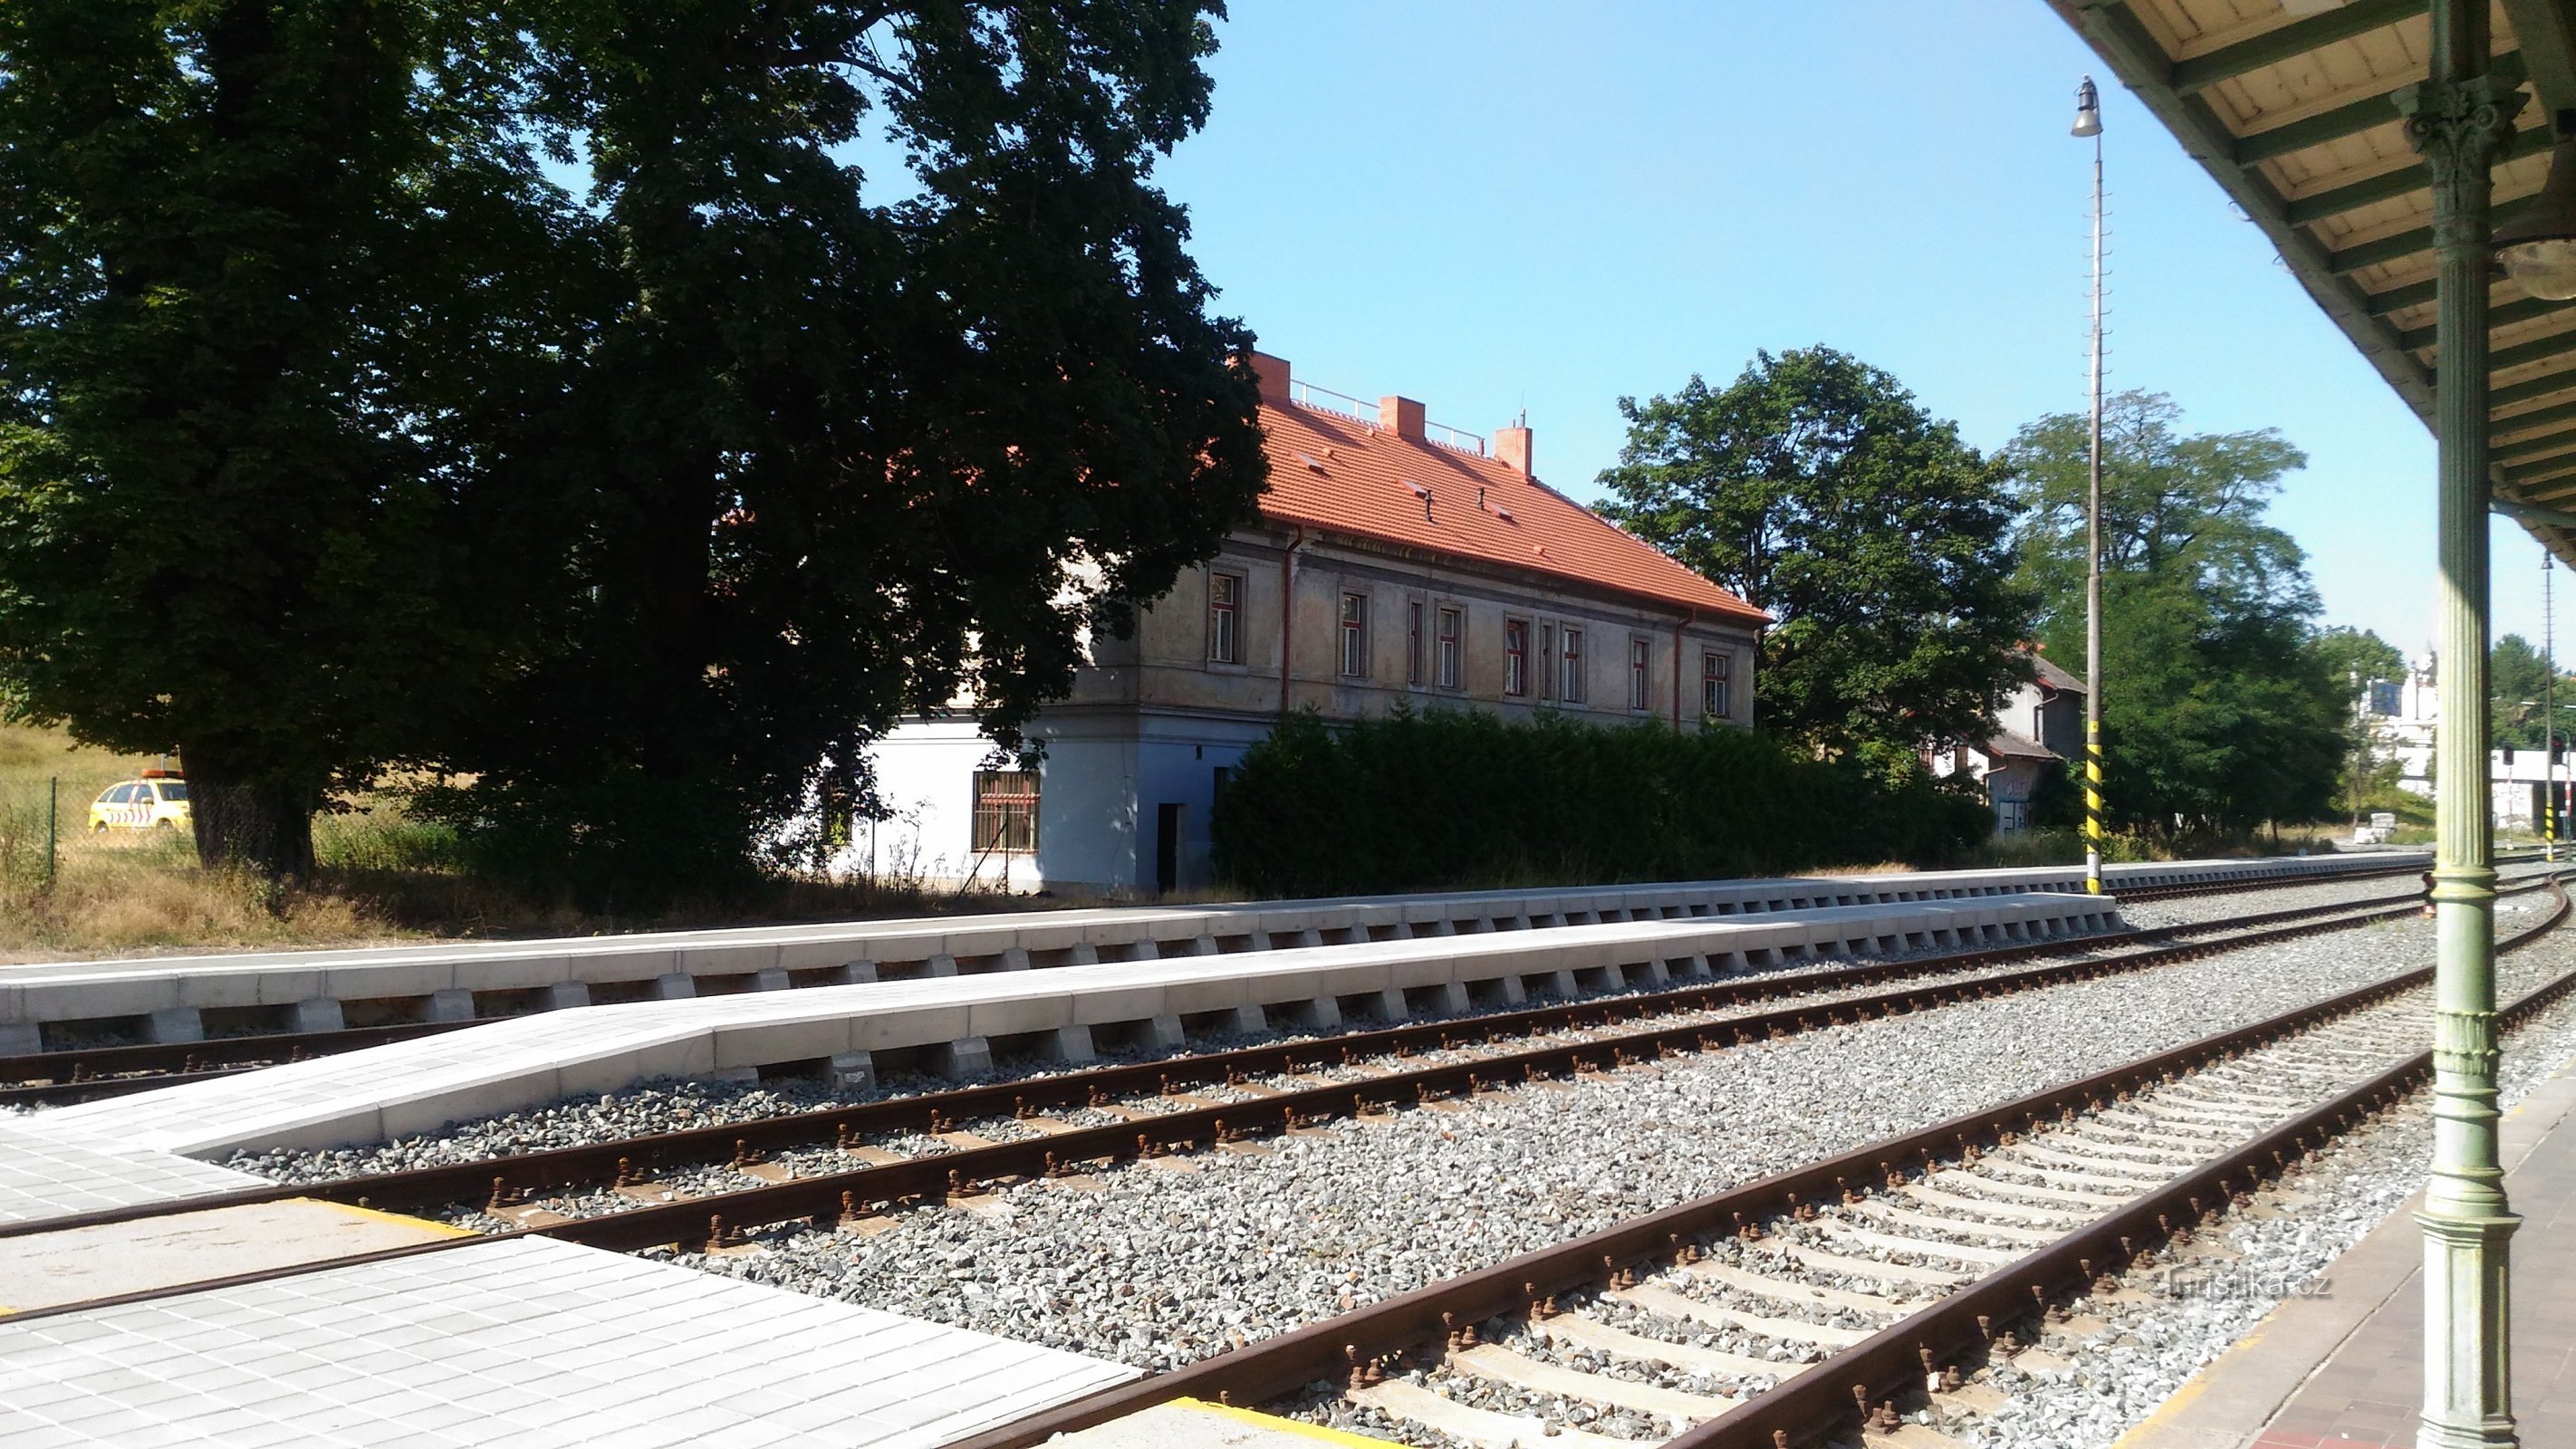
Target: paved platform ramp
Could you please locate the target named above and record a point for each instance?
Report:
(523, 1341)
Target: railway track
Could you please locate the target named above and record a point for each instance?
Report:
(56, 1078)
(704, 1188)
(1866, 1295)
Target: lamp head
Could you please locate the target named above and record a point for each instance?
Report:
(2538, 247)
(2088, 110)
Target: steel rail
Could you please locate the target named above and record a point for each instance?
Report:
(1893, 1361)
(1818, 1399)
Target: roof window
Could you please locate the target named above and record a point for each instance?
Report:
(1311, 464)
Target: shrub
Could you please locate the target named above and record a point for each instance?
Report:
(1448, 799)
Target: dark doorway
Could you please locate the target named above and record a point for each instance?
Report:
(1167, 848)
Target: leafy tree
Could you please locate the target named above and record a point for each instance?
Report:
(2518, 694)
(2357, 656)
(1816, 487)
(268, 282)
(2219, 711)
(850, 445)
(338, 433)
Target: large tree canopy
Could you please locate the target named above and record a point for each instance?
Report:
(548, 391)
(1816, 487)
(2218, 709)
(2519, 695)
(266, 272)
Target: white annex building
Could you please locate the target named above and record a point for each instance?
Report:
(1394, 562)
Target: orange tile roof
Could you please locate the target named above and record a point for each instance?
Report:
(1334, 472)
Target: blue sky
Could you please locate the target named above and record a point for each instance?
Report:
(1507, 204)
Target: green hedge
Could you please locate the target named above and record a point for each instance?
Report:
(1465, 800)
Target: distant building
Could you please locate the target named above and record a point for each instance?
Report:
(1395, 561)
(2039, 729)
(2399, 716)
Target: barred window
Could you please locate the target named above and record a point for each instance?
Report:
(1006, 811)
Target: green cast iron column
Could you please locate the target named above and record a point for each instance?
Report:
(2457, 120)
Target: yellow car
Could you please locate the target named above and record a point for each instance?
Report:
(155, 802)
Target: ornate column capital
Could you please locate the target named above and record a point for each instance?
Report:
(2458, 127)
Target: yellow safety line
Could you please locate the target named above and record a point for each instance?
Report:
(443, 1229)
(1284, 1426)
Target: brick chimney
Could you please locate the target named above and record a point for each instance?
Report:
(1272, 372)
(1401, 416)
(1512, 449)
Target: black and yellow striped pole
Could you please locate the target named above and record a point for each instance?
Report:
(2088, 122)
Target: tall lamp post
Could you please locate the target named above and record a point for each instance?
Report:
(2088, 123)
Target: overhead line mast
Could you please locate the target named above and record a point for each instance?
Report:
(2088, 122)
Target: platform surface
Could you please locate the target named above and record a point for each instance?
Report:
(34, 992)
(78, 1265)
(48, 1170)
(420, 1084)
(521, 1341)
(2346, 1369)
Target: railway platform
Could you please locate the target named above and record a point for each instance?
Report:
(513, 1341)
(2343, 1369)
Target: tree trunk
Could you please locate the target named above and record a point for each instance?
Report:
(253, 823)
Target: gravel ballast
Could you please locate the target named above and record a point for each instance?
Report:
(1156, 1266)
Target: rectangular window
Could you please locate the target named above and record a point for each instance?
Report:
(1452, 625)
(1006, 811)
(1354, 635)
(1516, 657)
(1547, 661)
(1413, 641)
(1225, 618)
(1570, 655)
(1640, 657)
(1713, 699)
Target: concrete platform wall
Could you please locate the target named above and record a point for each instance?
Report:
(419, 1085)
(167, 999)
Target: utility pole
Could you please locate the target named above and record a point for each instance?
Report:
(2548, 715)
(2088, 122)
(2459, 119)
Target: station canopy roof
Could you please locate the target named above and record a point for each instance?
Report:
(2288, 104)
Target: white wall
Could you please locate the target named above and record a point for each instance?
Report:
(1105, 775)
(926, 775)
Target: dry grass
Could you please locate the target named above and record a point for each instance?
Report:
(383, 878)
